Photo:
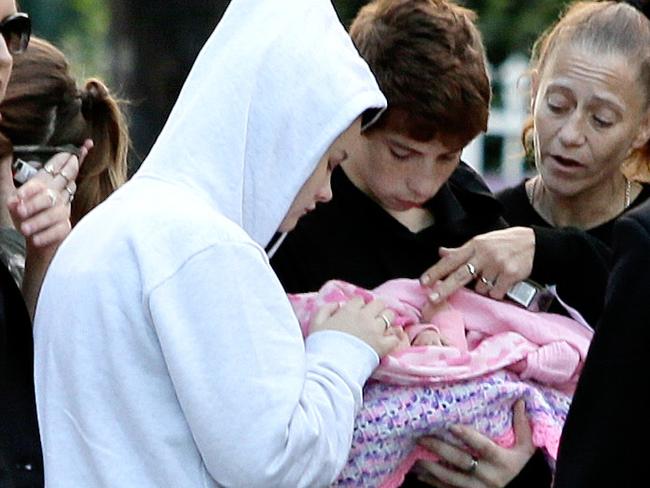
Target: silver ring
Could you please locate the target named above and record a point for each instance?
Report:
(471, 269)
(472, 467)
(70, 193)
(64, 176)
(52, 196)
(387, 323)
(49, 170)
(486, 282)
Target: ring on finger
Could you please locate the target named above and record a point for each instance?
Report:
(70, 193)
(52, 196)
(386, 320)
(49, 169)
(472, 466)
(489, 283)
(471, 269)
(64, 176)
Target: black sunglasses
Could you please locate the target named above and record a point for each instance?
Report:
(16, 30)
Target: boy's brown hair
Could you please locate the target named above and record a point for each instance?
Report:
(429, 61)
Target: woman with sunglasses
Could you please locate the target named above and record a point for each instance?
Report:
(45, 112)
(40, 210)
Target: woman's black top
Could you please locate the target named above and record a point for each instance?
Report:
(21, 463)
(578, 262)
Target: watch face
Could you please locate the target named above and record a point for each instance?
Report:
(522, 293)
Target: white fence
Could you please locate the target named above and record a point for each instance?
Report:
(505, 124)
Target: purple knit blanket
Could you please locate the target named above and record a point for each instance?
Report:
(393, 418)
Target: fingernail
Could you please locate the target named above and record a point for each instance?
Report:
(425, 280)
(456, 429)
(27, 229)
(434, 297)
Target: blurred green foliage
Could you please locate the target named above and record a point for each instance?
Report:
(508, 26)
(79, 27)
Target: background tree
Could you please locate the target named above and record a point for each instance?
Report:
(146, 47)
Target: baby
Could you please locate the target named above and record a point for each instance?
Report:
(464, 362)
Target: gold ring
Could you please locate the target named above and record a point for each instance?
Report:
(486, 282)
(471, 270)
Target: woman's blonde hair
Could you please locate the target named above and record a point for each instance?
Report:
(601, 28)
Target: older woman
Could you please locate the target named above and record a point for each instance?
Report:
(591, 112)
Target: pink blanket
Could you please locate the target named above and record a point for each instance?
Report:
(496, 353)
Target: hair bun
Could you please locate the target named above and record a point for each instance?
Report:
(94, 93)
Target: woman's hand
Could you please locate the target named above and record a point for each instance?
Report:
(492, 467)
(496, 260)
(369, 322)
(40, 208)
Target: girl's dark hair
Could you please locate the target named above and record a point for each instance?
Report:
(44, 106)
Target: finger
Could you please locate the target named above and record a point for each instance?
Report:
(476, 441)
(399, 333)
(324, 313)
(390, 340)
(37, 203)
(501, 287)
(447, 452)
(456, 280)
(446, 477)
(58, 161)
(68, 192)
(423, 474)
(52, 235)
(45, 219)
(444, 251)
(85, 149)
(375, 308)
(485, 284)
(448, 263)
(30, 189)
(71, 167)
(355, 303)
(521, 426)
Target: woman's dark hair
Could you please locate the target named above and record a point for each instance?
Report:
(44, 106)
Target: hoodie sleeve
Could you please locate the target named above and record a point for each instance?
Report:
(265, 407)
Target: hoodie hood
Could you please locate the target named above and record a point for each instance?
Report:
(273, 87)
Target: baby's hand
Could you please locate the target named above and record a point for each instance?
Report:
(428, 337)
(431, 309)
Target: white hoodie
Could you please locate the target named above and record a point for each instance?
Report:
(167, 354)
